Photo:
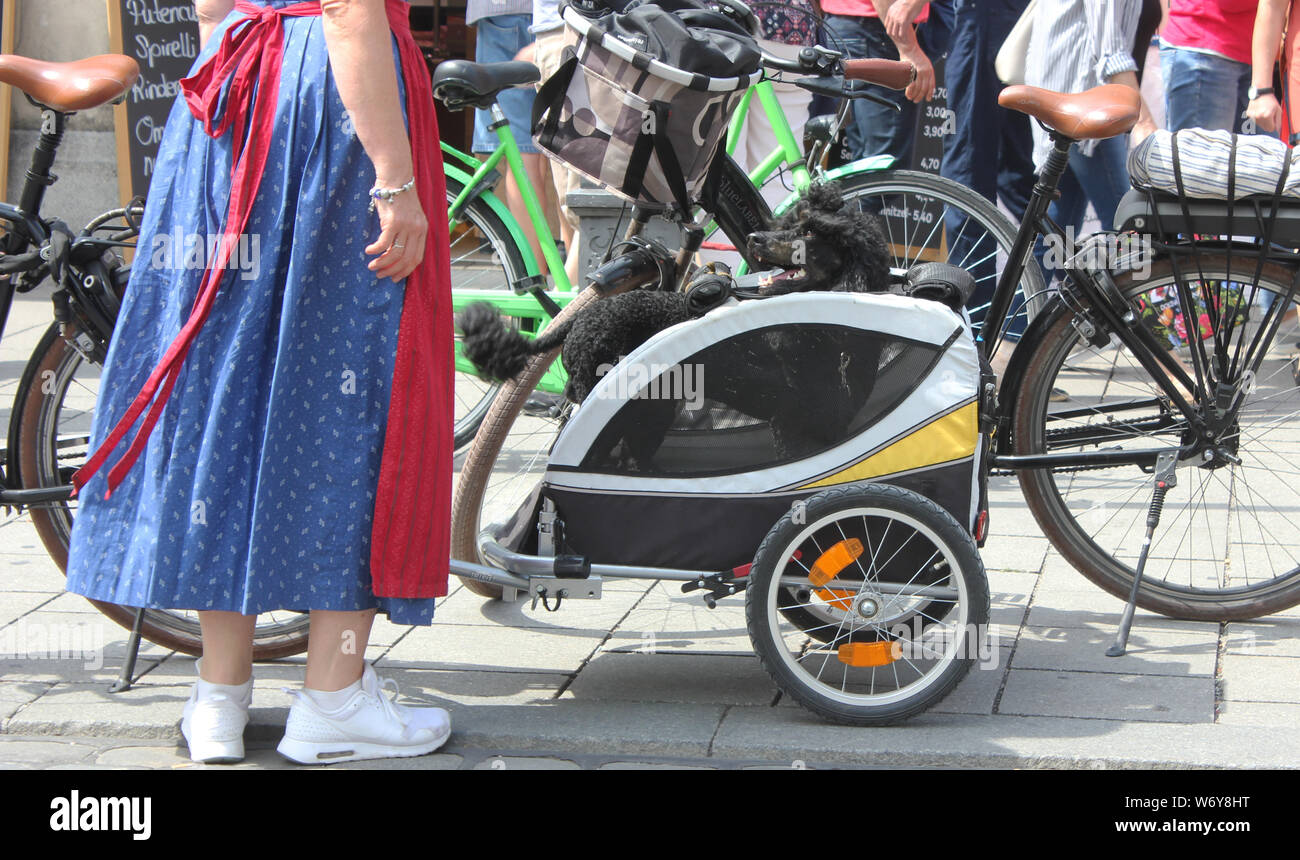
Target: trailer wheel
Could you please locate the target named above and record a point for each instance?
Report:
(901, 591)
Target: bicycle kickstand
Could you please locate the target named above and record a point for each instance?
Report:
(124, 680)
(1166, 477)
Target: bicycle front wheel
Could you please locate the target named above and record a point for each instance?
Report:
(1228, 544)
(928, 218)
(57, 402)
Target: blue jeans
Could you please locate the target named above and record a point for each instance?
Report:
(871, 128)
(991, 149)
(1100, 179)
(1203, 90)
(500, 38)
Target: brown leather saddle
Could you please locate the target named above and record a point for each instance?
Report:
(70, 87)
(1100, 112)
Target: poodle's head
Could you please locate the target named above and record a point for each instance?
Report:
(822, 244)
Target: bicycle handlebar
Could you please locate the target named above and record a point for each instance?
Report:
(894, 74)
(13, 263)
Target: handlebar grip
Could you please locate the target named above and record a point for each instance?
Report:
(894, 74)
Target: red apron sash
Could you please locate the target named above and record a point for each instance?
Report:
(410, 539)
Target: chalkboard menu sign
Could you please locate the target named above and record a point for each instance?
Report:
(163, 37)
(935, 124)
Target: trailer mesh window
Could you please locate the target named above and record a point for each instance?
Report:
(761, 398)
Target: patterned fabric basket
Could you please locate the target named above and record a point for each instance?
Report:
(639, 107)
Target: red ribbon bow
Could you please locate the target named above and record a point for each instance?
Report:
(410, 538)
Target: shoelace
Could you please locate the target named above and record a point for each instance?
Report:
(388, 705)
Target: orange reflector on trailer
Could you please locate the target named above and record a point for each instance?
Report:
(870, 653)
(836, 597)
(830, 563)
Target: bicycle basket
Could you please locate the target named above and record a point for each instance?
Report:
(640, 106)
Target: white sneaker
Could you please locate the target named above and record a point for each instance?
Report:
(370, 725)
(213, 721)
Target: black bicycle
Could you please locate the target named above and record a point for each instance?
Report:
(50, 423)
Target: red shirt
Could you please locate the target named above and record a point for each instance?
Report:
(863, 9)
(1222, 26)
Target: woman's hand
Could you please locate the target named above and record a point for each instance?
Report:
(402, 234)
(360, 48)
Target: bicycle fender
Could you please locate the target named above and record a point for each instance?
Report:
(499, 208)
(870, 164)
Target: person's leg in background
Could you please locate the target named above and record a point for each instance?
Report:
(989, 149)
(501, 38)
(1016, 153)
(874, 129)
(1069, 211)
(1103, 178)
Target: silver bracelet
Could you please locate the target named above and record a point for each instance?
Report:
(377, 193)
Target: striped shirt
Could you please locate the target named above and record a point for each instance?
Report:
(1077, 45)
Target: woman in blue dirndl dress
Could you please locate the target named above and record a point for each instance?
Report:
(256, 489)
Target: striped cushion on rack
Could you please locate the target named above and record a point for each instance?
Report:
(1207, 160)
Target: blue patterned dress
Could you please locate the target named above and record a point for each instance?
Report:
(257, 489)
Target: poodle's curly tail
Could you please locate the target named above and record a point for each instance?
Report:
(500, 352)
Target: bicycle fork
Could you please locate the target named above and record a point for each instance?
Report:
(1165, 477)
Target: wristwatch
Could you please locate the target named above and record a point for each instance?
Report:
(1255, 92)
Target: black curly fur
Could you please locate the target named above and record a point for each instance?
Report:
(849, 242)
(845, 248)
(600, 336)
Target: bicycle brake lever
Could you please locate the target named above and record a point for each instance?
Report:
(837, 87)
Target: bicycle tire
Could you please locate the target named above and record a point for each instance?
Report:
(1070, 507)
(474, 395)
(858, 187)
(48, 460)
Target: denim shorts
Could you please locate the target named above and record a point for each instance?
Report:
(500, 37)
(1203, 90)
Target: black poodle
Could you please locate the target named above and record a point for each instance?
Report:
(822, 244)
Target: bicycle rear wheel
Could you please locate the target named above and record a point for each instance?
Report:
(483, 257)
(56, 403)
(1228, 543)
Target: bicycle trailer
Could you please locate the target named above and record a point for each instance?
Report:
(822, 452)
